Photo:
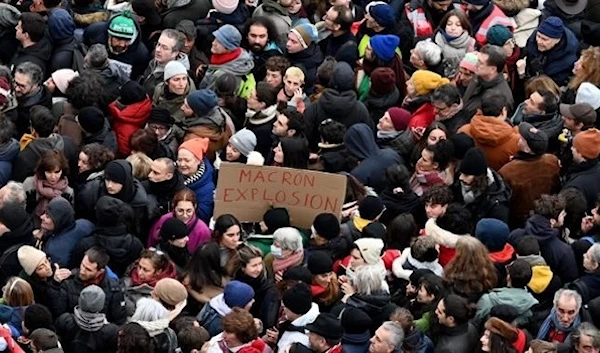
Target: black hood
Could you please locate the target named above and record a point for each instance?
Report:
(310, 57)
(116, 240)
(338, 105)
(41, 50)
(168, 187)
(498, 191)
(128, 191)
(539, 227)
(360, 141)
(62, 214)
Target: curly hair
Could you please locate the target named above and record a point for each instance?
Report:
(98, 155)
(133, 338)
(459, 275)
(241, 323)
(590, 70)
(86, 90)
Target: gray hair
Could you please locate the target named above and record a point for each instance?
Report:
(32, 70)
(175, 34)
(148, 309)
(396, 333)
(586, 329)
(368, 279)
(429, 52)
(13, 192)
(7, 129)
(6, 72)
(168, 163)
(567, 293)
(289, 238)
(97, 56)
(595, 253)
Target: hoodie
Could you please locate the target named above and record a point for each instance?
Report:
(239, 67)
(360, 141)
(8, 153)
(39, 53)
(518, 298)
(498, 140)
(558, 255)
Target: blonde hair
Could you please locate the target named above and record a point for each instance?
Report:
(590, 70)
(294, 71)
(17, 292)
(140, 165)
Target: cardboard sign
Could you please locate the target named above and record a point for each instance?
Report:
(247, 192)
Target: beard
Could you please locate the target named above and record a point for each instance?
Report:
(257, 48)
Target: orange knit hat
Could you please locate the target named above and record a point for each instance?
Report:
(587, 143)
(197, 146)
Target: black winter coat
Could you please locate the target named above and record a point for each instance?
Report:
(585, 177)
(68, 298)
(43, 97)
(39, 54)
(463, 338)
(62, 55)
(76, 340)
(23, 235)
(378, 306)
(309, 60)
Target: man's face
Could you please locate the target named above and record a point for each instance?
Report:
(380, 342)
(440, 312)
(588, 261)
(118, 45)
(385, 123)
(371, 23)
(112, 187)
(164, 50)
(522, 144)
(293, 44)
(570, 123)
(466, 180)
(22, 85)
(188, 43)
(19, 32)
(159, 172)
(291, 84)
(434, 210)
(88, 270)
(440, 6)
(483, 70)
(329, 19)
(286, 3)
(258, 38)
(532, 104)
(442, 110)
(415, 59)
(186, 109)
(545, 43)
(566, 310)
(274, 79)
(253, 103)
(473, 8)
(280, 126)
(464, 76)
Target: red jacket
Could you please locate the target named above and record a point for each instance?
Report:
(423, 116)
(128, 119)
(421, 26)
(496, 17)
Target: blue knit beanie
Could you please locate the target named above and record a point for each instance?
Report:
(61, 25)
(202, 101)
(237, 294)
(498, 35)
(228, 36)
(384, 46)
(552, 27)
(383, 14)
(492, 233)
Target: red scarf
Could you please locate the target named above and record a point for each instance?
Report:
(47, 192)
(168, 272)
(220, 59)
(283, 264)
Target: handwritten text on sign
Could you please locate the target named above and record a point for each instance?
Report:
(248, 191)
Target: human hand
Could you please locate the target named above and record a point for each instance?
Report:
(278, 276)
(298, 96)
(271, 335)
(347, 289)
(61, 274)
(521, 65)
(587, 223)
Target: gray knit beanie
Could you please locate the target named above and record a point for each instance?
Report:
(244, 141)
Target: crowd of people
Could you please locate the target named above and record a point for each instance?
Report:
(467, 133)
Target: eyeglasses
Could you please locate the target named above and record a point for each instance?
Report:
(158, 252)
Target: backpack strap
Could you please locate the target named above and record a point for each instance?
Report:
(591, 240)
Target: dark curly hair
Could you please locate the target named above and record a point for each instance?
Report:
(98, 155)
(86, 90)
(133, 338)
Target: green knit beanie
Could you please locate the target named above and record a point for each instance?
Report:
(122, 26)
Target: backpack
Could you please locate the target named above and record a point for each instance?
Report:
(5, 272)
(165, 342)
(591, 240)
(79, 52)
(247, 85)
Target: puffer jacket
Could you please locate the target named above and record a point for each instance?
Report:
(8, 153)
(126, 120)
(342, 107)
(497, 139)
(203, 186)
(377, 305)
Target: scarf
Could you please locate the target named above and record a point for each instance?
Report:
(388, 134)
(90, 322)
(552, 322)
(168, 272)
(470, 195)
(220, 59)
(47, 192)
(282, 264)
(477, 17)
(197, 176)
(26, 139)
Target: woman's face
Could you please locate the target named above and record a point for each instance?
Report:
(53, 176)
(578, 66)
(83, 163)
(426, 163)
(485, 341)
(284, 252)
(296, 6)
(435, 136)
(178, 84)
(324, 279)
(454, 27)
(278, 158)
(231, 153)
(44, 269)
(187, 162)
(184, 211)
(254, 268)
(146, 270)
(357, 259)
(46, 222)
(231, 237)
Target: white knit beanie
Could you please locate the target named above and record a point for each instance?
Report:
(30, 258)
(62, 78)
(370, 249)
(588, 93)
(225, 6)
(174, 68)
